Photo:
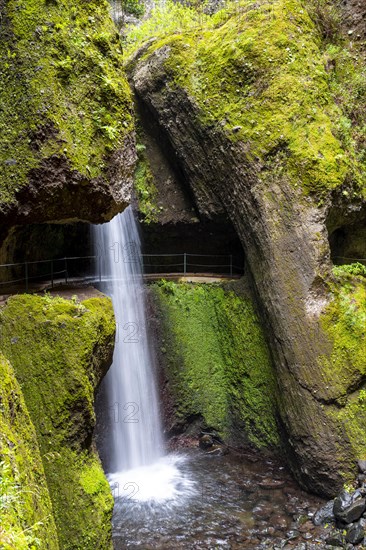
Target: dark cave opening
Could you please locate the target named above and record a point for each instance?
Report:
(348, 244)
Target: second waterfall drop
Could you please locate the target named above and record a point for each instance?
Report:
(136, 461)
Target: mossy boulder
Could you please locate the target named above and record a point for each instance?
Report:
(67, 143)
(216, 362)
(60, 350)
(25, 506)
(249, 105)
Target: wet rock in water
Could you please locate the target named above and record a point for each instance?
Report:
(292, 535)
(325, 514)
(263, 510)
(206, 442)
(306, 527)
(269, 483)
(355, 533)
(279, 522)
(346, 510)
(218, 450)
(362, 466)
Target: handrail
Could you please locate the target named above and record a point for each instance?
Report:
(185, 264)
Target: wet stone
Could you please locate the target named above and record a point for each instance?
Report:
(350, 513)
(268, 483)
(355, 533)
(292, 535)
(279, 522)
(206, 442)
(335, 539)
(263, 510)
(306, 527)
(325, 514)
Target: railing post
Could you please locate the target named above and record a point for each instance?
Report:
(231, 265)
(65, 271)
(185, 263)
(51, 273)
(26, 277)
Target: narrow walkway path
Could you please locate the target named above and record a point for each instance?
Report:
(84, 288)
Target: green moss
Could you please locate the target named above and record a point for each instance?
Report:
(258, 71)
(218, 362)
(62, 88)
(25, 507)
(145, 188)
(352, 418)
(58, 349)
(344, 321)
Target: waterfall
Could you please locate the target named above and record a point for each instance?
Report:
(137, 467)
(134, 421)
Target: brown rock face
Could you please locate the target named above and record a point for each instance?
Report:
(56, 193)
(354, 12)
(285, 241)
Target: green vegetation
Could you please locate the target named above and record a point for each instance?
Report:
(217, 362)
(260, 72)
(133, 7)
(145, 188)
(344, 321)
(357, 269)
(62, 88)
(59, 350)
(25, 507)
(352, 418)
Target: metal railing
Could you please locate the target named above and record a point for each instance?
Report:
(90, 267)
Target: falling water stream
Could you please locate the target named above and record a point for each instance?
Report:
(137, 464)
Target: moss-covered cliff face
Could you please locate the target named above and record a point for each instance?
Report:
(251, 101)
(216, 362)
(59, 350)
(25, 507)
(344, 321)
(67, 145)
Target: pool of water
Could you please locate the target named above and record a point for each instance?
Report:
(196, 501)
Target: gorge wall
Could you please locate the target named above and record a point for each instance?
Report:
(248, 107)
